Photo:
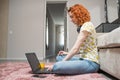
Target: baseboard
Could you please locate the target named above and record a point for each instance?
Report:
(111, 77)
(16, 59)
(49, 56)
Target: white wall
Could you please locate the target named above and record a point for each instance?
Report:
(27, 25)
(96, 9)
(26, 28)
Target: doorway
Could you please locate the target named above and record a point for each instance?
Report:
(56, 29)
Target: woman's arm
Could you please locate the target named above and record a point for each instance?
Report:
(80, 39)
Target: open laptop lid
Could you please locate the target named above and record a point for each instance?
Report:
(33, 61)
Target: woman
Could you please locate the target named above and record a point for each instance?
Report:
(85, 45)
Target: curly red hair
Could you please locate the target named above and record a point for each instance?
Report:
(80, 13)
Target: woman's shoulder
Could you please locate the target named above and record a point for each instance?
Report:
(88, 26)
(88, 23)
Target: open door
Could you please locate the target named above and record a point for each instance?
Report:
(56, 28)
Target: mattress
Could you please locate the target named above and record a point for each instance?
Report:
(111, 39)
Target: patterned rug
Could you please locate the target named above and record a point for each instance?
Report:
(22, 71)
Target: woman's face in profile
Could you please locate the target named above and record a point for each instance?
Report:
(73, 18)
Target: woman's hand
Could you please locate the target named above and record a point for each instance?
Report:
(62, 53)
(50, 68)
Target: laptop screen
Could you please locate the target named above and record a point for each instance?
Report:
(33, 61)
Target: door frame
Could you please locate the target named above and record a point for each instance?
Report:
(65, 32)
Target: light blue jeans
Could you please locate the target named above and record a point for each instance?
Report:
(74, 66)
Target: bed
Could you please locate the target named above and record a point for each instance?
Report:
(109, 52)
(22, 71)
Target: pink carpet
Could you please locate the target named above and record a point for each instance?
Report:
(22, 71)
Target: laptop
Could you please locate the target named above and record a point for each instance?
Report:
(34, 64)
